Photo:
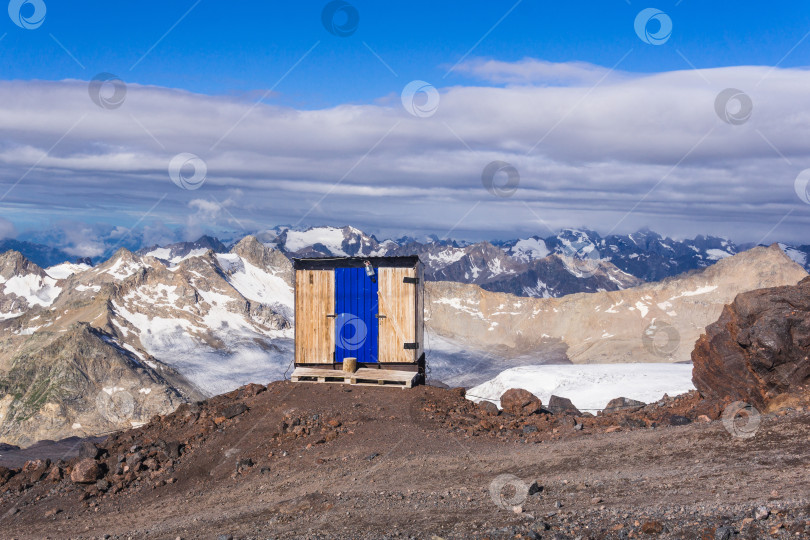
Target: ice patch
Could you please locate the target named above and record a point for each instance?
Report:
(590, 386)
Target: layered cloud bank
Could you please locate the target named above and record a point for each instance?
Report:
(609, 150)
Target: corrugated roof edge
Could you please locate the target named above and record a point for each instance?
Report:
(326, 263)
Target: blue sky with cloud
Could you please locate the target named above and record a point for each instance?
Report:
(296, 125)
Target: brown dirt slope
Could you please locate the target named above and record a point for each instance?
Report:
(328, 461)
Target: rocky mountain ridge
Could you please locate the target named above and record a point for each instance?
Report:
(567, 262)
(110, 346)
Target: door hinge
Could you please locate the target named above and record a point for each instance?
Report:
(411, 346)
(410, 280)
(332, 316)
(380, 316)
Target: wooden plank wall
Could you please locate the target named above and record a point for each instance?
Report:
(397, 301)
(314, 331)
(420, 310)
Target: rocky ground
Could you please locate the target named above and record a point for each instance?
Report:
(330, 461)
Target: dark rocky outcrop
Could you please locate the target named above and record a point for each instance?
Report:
(561, 405)
(758, 349)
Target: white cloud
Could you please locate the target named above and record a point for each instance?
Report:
(7, 229)
(539, 72)
(633, 151)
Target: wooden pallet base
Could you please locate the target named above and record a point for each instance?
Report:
(363, 376)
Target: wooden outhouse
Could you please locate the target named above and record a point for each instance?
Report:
(366, 311)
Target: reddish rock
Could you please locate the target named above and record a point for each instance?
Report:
(652, 527)
(251, 390)
(87, 471)
(55, 475)
(489, 408)
(5, 474)
(623, 404)
(520, 401)
(758, 349)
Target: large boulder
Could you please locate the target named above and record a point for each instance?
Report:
(519, 401)
(623, 404)
(561, 405)
(86, 471)
(758, 349)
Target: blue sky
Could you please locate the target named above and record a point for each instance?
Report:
(246, 47)
(301, 127)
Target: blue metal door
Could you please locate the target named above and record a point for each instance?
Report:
(356, 309)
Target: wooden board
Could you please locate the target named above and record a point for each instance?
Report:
(420, 309)
(397, 310)
(363, 377)
(314, 329)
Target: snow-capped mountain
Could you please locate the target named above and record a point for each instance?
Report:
(96, 348)
(573, 260)
(24, 286)
(177, 252)
(568, 262)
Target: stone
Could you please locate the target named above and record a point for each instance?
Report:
(520, 402)
(54, 475)
(561, 405)
(723, 533)
(652, 527)
(535, 488)
(678, 420)
(460, 391)
(761, 512)
(86, 471)
(88, 450)
(613, 429)
(489, 408)
(758, 349)
(704, 419)
(36, 465)
(232, 411)
(623, 404)
(174, 449)
(251, 390)
(134, 459)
